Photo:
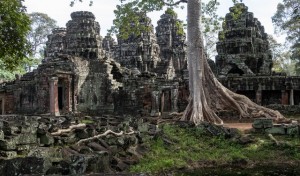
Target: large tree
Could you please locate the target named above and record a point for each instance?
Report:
(281, 57)
(14, 27)
(287, 20)
(41, 27)
(207, 94)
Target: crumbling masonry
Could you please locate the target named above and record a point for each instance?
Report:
(145, 74)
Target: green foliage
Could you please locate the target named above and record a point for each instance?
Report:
(131, 17)
(287, 20)
(236, 11)
(14, 27)
(41, 27)
(87, 121)
(178, 147)
(171, 12)
(6, 75)
(281, 57)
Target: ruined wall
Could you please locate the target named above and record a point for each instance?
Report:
(95, 94)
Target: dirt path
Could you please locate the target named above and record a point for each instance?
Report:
(240, 126)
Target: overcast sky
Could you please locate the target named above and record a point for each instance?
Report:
(60, 11)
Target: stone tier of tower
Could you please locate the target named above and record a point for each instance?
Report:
(243, 46)
(56, 42)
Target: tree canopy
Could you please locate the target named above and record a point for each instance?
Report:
(14, 27)
(41, 27)
(287, 20)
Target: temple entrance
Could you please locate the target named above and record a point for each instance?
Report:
(296, 97)
(1, 113)
(60, 97)
(236, 70)
(271, 97)
(166, 103)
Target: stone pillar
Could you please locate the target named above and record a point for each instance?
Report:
(284, 97)
(155, 104)
(258, 96)
(292, 102)
(67, 95)
(162, 102)
(174, 99)
(54, 109)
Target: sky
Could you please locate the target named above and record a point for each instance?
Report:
(60, 11)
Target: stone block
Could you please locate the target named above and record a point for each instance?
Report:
(26, 138)
(143, 127)
(277, 129)
(8, 154)
(24, 166)
(23, 148)
(262, 123)
(1, 135)
(293, 130)
(8, 144)
(46, 139)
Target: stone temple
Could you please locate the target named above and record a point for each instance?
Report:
(244, 62)
(83, 72)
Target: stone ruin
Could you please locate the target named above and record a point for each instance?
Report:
(244, 64)
(145, 75)
(243, 47)
(85, 73)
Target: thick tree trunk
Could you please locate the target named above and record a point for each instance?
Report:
(207, 94)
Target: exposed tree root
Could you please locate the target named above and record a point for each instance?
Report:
(106, 133)
(72, 127)
(216, 97)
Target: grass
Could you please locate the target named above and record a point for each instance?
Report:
(179, 147)
(87, 121)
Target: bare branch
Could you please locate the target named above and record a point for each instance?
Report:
(176, 3)
(72, 127)
(106, 133)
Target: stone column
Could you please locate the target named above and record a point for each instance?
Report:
(155, 104)
(174, 99)
(67, 95)
(292, 102)
(258, 96)
(54, 109)
(284, 97)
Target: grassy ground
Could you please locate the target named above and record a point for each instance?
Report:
(178, 148)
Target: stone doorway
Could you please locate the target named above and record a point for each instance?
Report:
(297, 97)
(60, 90)
(271, 97)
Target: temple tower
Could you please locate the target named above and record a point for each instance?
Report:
(83, 36)
(139, 51)
(171, 39)
(243, 48)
